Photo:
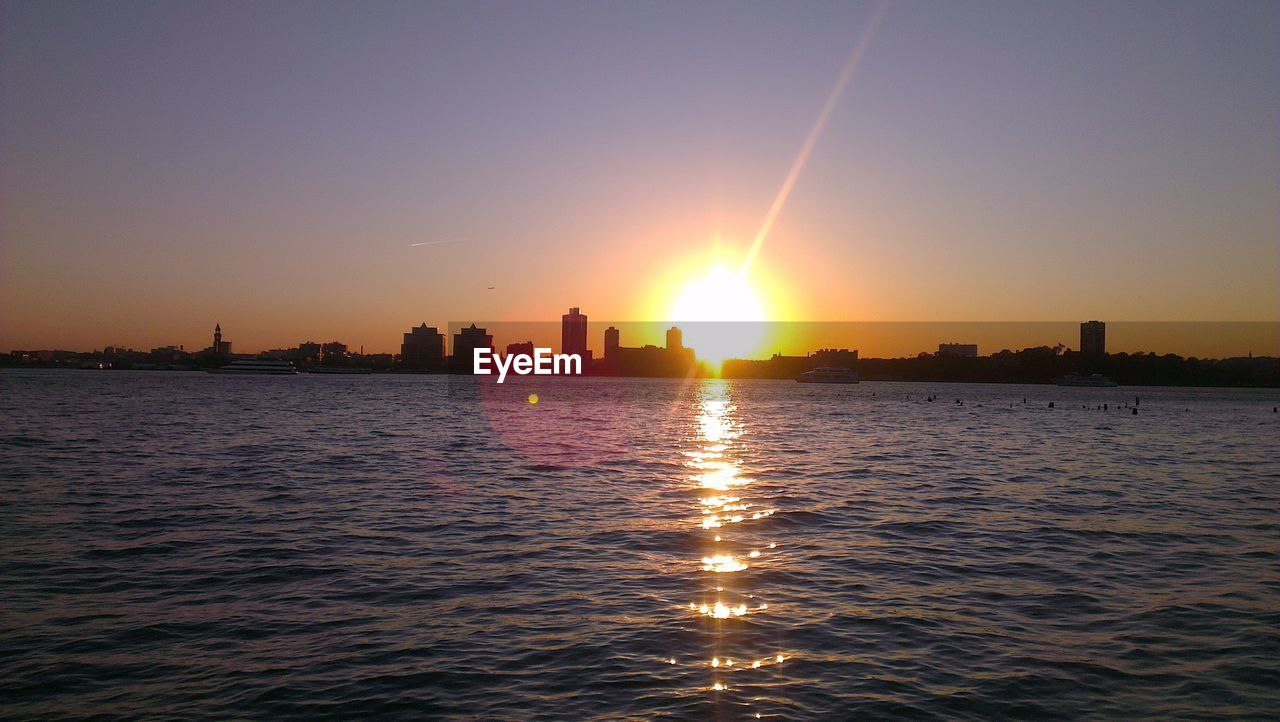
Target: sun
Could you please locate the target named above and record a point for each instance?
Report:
(721, 314)
(720, 295)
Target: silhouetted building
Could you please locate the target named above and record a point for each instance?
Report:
(423, 348)
(674, 338)
(525, 348)
(649, 360)
(841, 357)
(465, 342)
(964, 350)
(333, 352)
(1093, 338)
(573, 332)
(167, 354)
(219, 347)
(787, 367)
(612, 341)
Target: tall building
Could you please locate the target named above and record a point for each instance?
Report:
(573, 333)
(612, 341)
(220, 347)
(465, 343)
(573, 336)
(1093, 338)
(674, 339)
(964, 350)
(423, 347)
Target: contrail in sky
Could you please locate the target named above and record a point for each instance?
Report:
(435, 243)
(819, 125)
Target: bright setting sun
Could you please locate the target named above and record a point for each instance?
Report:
(722, 315)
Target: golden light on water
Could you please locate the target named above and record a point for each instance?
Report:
(720, 477)
(720, 610)
(722, 563)
(713, 472)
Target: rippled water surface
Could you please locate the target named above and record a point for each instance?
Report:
(188, 545)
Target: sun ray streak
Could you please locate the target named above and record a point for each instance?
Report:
(833, 99)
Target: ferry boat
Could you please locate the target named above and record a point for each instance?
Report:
(829, 375)
(257, 366)
(1096, 380)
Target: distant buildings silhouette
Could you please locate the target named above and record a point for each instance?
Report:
(779, 366)
(649, 360)
(612, 341)
(524, 348)
(573, 336)
(422, 349)
(306, 349)
(1093, 338)
(465, 342)
(219, 347)
(333, 353)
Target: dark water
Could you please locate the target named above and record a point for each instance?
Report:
(369, 547)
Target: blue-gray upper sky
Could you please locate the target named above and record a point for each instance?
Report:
(269, 165)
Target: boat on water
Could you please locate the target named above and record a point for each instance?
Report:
(1095, 380)
(261, 367)
(338, 370)
(829, 375)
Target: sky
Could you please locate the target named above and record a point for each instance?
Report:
(345, 170)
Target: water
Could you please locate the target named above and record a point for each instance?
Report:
(180, 544)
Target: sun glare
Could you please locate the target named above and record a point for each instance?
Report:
(721, 314)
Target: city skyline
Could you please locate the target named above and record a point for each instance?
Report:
(875, 340)
(900, 163)
(795, 352)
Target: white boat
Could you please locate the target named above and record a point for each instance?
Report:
(1095, 380)
(257, 366)
(829, 375)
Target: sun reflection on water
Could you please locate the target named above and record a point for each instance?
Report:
(735, 538)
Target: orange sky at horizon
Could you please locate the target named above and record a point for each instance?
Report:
(258, 322)
(169, 168)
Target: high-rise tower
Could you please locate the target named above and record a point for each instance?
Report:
(612, 340)
(674, 338)
(1093, 338)
(573, 333)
